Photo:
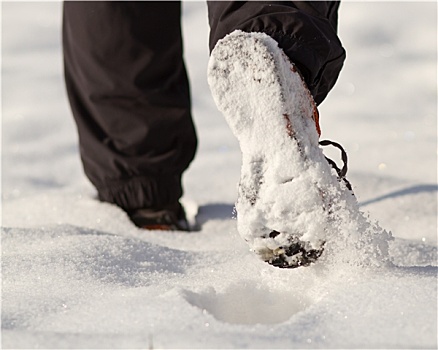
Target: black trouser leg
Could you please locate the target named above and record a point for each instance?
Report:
(130, 97)
(305, 30)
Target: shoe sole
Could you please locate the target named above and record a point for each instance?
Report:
(281, 208)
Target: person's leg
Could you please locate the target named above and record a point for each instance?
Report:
(305, 30)
(130, 98)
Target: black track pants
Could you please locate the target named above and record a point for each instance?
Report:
(130, 97)
(305, 30)
(129, 92)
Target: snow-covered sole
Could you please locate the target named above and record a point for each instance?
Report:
(285, 185)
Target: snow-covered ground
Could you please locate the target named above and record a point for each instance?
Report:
(77, 274)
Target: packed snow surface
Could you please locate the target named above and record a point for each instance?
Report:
(77, 274)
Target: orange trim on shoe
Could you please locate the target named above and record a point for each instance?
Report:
(158, 227)
(315, 114)
(316, 118)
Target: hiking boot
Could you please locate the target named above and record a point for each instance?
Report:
(172, 218)
(287, 187)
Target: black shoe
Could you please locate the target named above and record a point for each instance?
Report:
(172, 218)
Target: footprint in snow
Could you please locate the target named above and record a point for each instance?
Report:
(248, 303)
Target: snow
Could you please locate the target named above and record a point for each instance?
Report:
(77, 274)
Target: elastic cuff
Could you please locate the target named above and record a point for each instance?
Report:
(143, 192)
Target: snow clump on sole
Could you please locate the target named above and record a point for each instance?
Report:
(290, 204)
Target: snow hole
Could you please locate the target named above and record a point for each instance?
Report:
(247, 303)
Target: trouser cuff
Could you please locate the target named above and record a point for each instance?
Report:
(143, 192)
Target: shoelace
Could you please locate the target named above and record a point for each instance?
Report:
(341, 172)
